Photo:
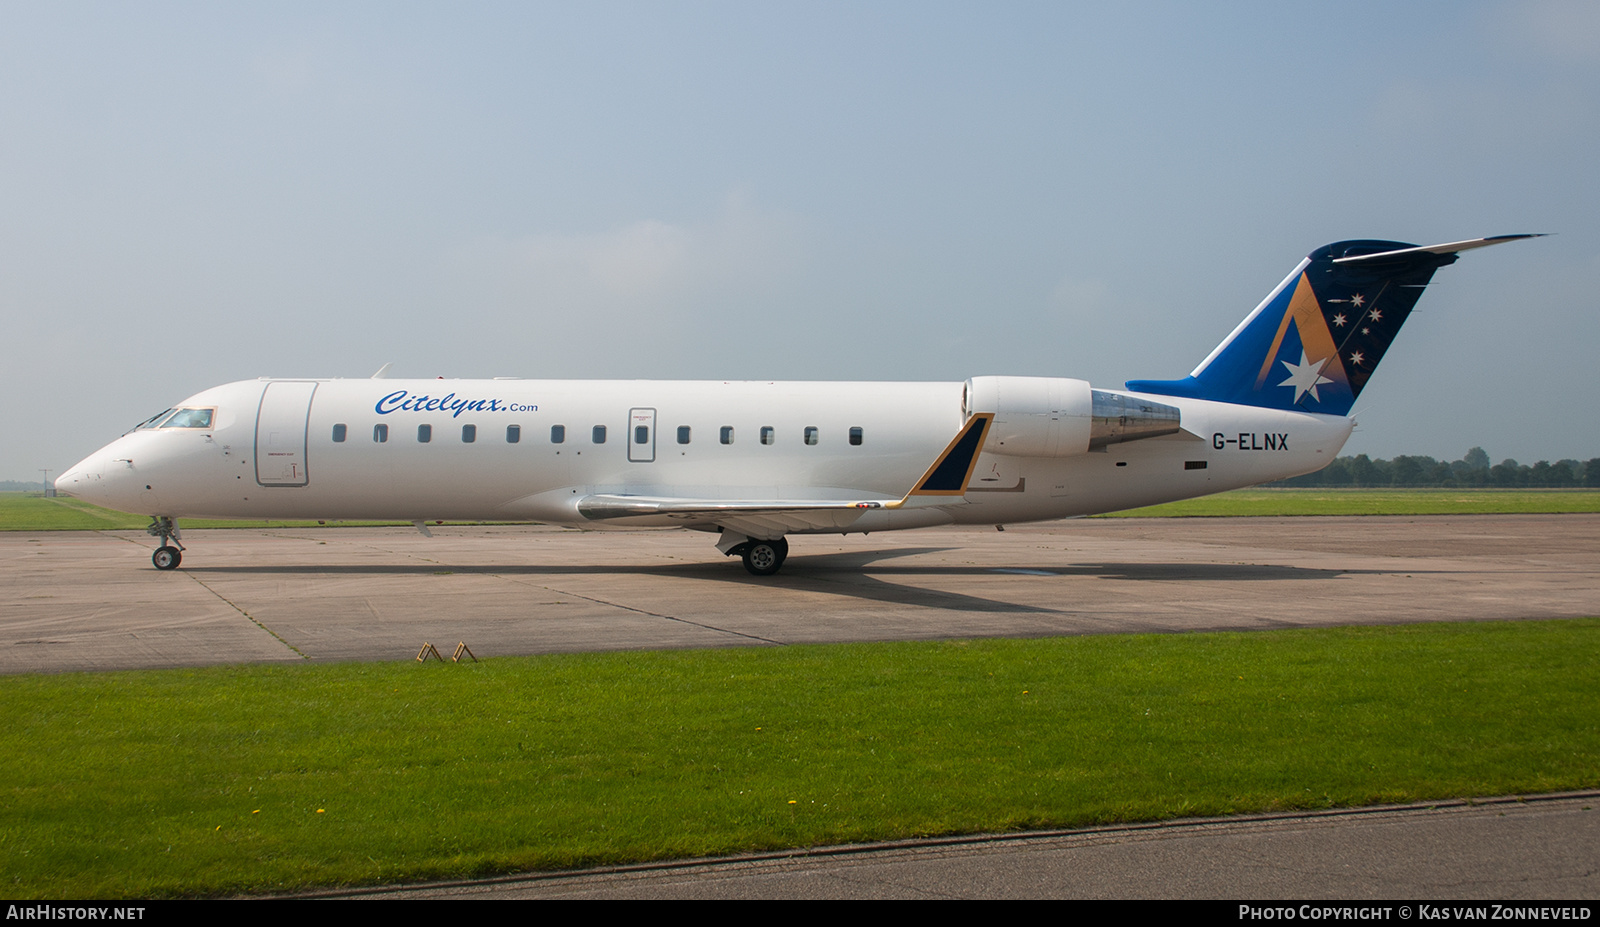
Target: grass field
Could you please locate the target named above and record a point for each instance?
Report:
(27, 512)
(267, 778)
(1378, 502)
(31, 512)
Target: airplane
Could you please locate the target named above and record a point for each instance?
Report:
(754, 462)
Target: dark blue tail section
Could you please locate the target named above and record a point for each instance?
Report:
(1315, 341)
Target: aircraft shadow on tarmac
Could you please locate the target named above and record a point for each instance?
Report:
(855, 574)
(859, 575)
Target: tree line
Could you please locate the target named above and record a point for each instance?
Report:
(1473, 469)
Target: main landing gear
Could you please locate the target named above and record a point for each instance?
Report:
(764, 558)
(168, 555)
(761, 557)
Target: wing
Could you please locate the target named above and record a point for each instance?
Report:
(945, 481)
(766, 518)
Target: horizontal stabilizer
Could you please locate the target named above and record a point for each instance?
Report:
(1448, 248)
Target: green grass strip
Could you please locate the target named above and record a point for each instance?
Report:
(22, 512)
(1377, 502)
(269, 778)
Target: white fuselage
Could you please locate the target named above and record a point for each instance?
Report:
(757, 461)
(276, 449)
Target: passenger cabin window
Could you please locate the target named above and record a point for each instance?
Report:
(855, 436)
(424, 434)
(683, 434)
(469, 434)
(727, 434)
(339, 431)
(599, 436)
(513, 434)
(811, 434)
(380, 433)
(558, 434)
(767, 434)
(641, 434)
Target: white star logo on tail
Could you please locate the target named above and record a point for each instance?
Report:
(1305, 377)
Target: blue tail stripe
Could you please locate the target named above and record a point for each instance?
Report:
(1313, 344)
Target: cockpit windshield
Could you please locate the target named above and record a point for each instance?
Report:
(153, 420)
(179, 418)
(189, 418)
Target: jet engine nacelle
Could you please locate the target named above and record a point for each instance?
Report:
(1061, 417)
(1034, 416)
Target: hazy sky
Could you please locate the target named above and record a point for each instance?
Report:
(197, 193)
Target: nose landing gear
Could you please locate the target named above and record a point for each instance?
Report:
(168, 555)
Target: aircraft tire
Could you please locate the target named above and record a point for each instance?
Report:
(167, 558)
(764, 558)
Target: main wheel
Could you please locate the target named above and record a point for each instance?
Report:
(763, 558)
(167, 558)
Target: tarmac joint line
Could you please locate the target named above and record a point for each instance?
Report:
(641, 611)
(576, 595)
(252, 619)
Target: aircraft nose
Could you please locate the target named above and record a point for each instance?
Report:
(80, 476)
(101, 480)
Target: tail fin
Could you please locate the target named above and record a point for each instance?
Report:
(1314, 341)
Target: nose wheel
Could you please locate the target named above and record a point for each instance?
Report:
(170, 553)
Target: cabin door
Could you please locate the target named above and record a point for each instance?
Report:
(281, 426)
(642, 435)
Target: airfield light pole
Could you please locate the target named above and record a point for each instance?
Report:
(48, 490)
